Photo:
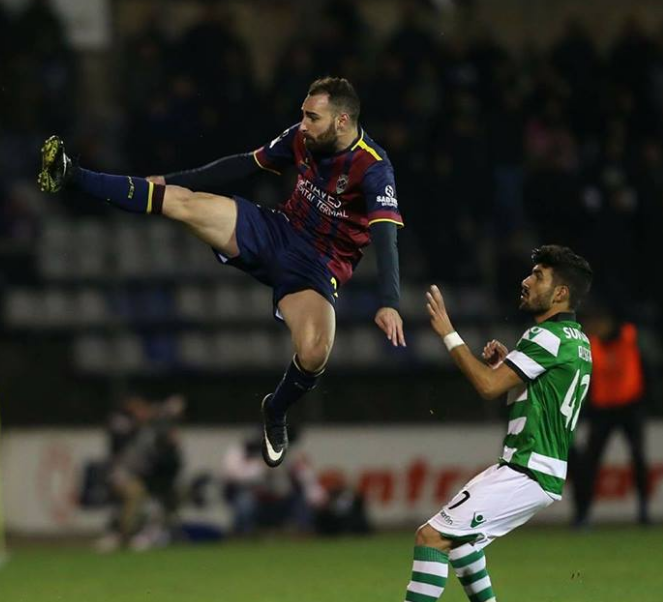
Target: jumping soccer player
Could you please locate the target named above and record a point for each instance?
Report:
(547, 377)
(345, 197)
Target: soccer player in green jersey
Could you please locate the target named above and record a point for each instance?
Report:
(546, 377)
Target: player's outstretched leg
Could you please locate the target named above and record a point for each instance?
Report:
(212, 218)
(131, 194)
(469, 564)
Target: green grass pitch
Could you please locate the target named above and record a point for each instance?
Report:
(540, 564)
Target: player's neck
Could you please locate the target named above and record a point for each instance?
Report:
(345, 139)
(553, 311)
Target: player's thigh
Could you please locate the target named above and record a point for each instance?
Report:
(212, 218)
(311, 320)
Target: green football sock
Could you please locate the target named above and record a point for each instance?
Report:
(469, 564)
(429, 575)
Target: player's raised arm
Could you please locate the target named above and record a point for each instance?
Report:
(272, 157)
(489, 383)
(212, 175)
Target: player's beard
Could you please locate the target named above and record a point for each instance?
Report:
(325, 143)
(538, 305)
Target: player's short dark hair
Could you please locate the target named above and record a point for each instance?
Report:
(342, 95)
(569, 269)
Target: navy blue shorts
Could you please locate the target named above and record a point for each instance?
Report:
(275, 254)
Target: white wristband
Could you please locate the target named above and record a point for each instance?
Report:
(453, 340)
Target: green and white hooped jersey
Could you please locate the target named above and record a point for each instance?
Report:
(554, 360)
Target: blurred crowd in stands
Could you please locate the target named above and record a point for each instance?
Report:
(494, 151)
(142, 482)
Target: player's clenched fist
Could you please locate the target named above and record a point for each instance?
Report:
(494, 353)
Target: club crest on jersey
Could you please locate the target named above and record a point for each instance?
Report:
(342, 183)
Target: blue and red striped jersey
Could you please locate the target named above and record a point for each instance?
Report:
(337, 197)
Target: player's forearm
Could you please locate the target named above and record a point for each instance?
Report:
(215, 174)
(384, 238)
(480, 375)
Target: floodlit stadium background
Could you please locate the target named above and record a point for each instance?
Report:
(510, 124)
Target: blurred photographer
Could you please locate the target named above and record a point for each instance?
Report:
(145, 460)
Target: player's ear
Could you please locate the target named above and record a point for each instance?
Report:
(562, 293)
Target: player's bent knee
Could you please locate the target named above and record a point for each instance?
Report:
(313, 354)
(428, 537)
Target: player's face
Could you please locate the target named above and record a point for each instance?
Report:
(319, 126)
(538, 291)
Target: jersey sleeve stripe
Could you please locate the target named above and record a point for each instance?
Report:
(382, 214)
(524, 364)
(547, 465)
(150, 192)
(517, 370)
(399, 223)
(261, 166)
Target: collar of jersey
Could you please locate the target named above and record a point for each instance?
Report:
(563, 316)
